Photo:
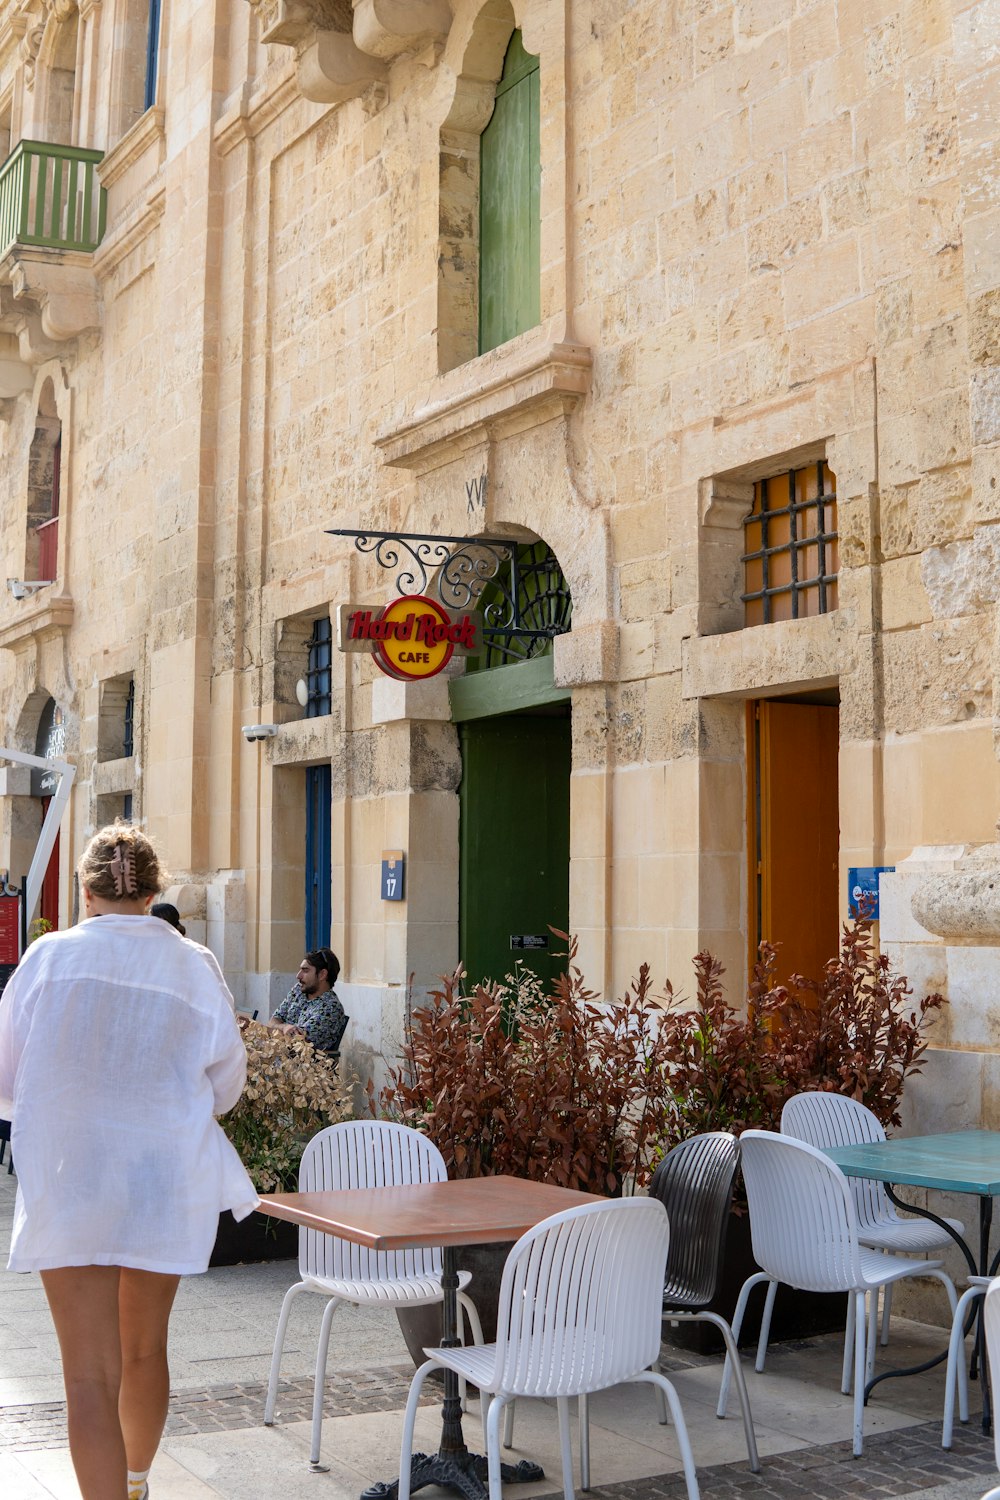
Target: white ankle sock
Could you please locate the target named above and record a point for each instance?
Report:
(137, 1486)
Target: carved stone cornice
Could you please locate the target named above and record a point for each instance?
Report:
(386, 28)
(289, 22)
(61, 9)
(49, 297)
(332, 69)
(22, 318)
(63, 286)
(13, 25)
(343, 47)
(27, 51)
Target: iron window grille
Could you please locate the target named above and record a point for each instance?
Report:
(318, 678)
(128, 728)
(791, 560)
(523, 614)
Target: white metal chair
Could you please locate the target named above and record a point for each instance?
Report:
(361, 1154)
(579, 1311)
(804, 1228)
(991, 1315)
(694, 1182)
(825, 1119)
(955, 1375)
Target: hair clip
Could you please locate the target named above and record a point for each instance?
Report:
(122, 869)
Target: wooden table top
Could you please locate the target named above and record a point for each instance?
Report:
(475, 1211)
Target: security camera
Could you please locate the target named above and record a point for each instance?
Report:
(22, 588)
(253, 732)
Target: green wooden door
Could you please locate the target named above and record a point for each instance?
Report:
(514, 840)
(509, 182)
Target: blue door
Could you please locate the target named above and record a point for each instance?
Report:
(318, 856)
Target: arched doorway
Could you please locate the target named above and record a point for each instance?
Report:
(515, 732)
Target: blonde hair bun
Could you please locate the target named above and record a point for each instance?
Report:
(121, 864)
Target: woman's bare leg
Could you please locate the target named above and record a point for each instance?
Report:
(144, 1302)
(84, 1305)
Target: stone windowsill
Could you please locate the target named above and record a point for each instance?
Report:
(111, 776)
(302, 742)
(764, 658)
(147, 130)
(27, 620)
(508, 390)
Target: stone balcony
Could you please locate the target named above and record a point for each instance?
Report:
(52, 219)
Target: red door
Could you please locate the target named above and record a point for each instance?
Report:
(49, 905)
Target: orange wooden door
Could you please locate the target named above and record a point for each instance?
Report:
(795, 834)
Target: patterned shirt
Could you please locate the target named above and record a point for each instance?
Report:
(322, 1017)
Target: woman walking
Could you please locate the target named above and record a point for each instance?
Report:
(118, 1046)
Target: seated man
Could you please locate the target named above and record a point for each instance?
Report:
(311, 1009)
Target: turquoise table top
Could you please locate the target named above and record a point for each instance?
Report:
(967, 1161)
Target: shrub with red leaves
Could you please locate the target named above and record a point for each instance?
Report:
(560, 1088)
(564, 1088)
(853, 1032)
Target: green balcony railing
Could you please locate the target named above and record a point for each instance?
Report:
(50, 196)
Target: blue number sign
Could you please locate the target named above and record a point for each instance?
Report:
(393, 874)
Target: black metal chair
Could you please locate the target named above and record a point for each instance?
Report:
(694, 1182)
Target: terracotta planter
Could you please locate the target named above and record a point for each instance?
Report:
(797, 1315)
(256, 1238)
(421, 1326)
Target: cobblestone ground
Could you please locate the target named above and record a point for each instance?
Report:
(895, 1464)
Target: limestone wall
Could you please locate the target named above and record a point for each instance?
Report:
(769, 234)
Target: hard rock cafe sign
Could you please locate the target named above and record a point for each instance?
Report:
(413, 637)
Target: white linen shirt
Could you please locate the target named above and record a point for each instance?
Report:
(118, 1046)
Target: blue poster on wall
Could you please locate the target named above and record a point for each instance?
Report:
(862, 888)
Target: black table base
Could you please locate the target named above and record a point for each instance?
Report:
(453, 1466)
(467, 1475)
(979, 1351)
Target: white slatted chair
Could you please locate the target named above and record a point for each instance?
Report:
(580, 1304)
(991, 1315)
(804, 1228)
(362, 1154)
(956, 1377)
(833, 1120)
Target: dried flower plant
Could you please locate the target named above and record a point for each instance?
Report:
(551, 1087)
(291, 1092)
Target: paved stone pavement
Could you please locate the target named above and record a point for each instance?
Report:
(215, 1445)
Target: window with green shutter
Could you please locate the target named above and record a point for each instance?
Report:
(509, 225)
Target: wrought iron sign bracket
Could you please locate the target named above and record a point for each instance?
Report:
(527, 602)
(460, 566)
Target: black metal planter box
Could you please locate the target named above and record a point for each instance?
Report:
(797, 1315)
(255, 1238)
